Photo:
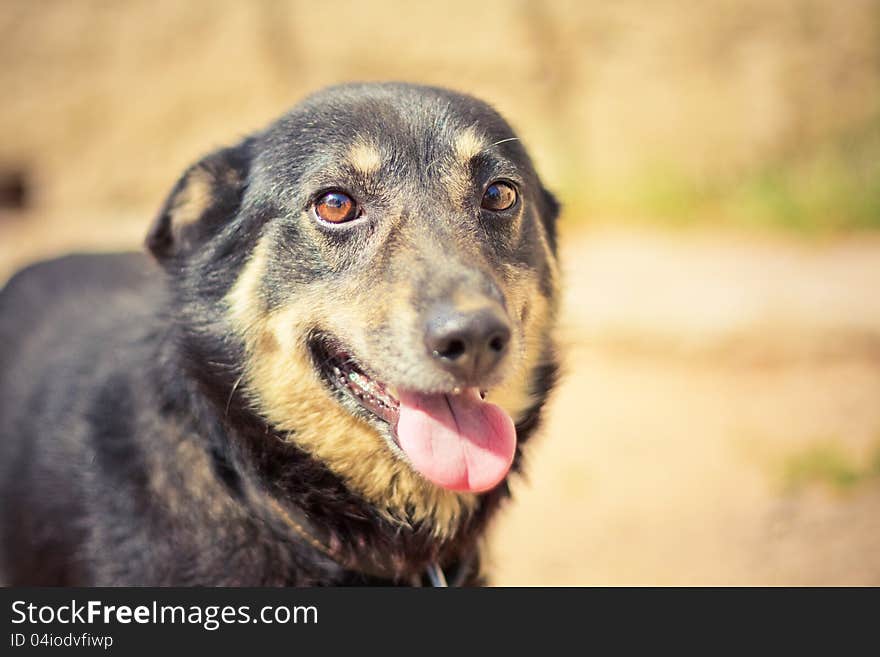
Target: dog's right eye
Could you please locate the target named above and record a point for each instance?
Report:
(336, 208)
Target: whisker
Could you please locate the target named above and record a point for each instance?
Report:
(502, 141)
(231, 393)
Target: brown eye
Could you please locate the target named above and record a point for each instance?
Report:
(499, 196)
(336, 208)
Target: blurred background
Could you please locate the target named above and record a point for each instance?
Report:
(719, 163)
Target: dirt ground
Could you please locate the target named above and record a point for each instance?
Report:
(718, 421)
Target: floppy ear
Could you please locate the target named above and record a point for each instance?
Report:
(205, 198)
(549, 214)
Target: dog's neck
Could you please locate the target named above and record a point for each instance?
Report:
(305, 501)
(395, 567)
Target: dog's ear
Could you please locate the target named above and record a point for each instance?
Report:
(549, 213)
(205, 198)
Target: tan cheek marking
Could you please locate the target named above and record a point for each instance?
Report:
(365, 158)
(244, 300)
(513, 395)
(287, 390)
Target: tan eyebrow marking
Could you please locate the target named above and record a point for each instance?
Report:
(365, 158)
(469, 143)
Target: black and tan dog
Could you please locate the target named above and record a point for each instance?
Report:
(327, 378)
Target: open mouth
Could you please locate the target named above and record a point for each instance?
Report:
(454, 439)
(339, 369)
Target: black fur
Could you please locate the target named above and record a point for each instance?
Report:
(129, 454)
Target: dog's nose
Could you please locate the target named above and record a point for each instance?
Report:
(468, 344)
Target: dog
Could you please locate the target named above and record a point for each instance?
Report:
(322, 372)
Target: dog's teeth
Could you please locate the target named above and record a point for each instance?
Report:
(456, 391)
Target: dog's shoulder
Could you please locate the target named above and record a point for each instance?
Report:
(64, 316)
(82, 271)
(70, 330)
(79, 285)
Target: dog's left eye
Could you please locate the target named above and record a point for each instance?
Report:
(336, 208)
(499, 196)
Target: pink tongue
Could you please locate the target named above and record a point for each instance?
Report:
(456, 441)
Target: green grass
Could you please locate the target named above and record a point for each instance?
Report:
(837, 189)
(832, 188)
(828, 464)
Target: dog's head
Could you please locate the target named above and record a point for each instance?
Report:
(382, 260)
